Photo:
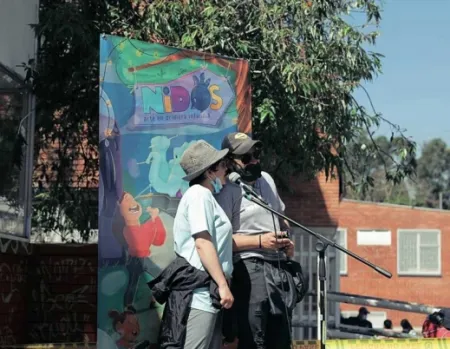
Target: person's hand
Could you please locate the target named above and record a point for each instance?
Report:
(154, 212)
(231, 345)
(270, 241)
(226, 298)
(290, 249)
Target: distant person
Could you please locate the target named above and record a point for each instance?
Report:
(361, 319)
(344, 321)
(407, 327)
(387, 324)
(430, 326)
(437, 325)
(443, 330)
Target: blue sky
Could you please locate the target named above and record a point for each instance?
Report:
(414, 89)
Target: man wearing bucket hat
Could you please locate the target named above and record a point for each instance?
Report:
(203, 236)
(261, 251)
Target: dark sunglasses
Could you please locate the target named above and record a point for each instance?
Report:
(247, 158)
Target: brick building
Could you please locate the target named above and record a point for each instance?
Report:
(410, 242)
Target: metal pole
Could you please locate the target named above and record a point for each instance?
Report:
(348, 298)
(318, 302)
(321, 294)
(30, 139)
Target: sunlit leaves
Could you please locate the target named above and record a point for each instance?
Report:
(306, 60)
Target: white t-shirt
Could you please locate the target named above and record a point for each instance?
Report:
(197, 212)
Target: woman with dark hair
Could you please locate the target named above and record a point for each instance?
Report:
(203, 236)
(387, 324)
(429, 327)
(407, 327)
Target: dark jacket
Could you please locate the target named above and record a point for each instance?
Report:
(445, 314)
(174, 287)
(286, 285)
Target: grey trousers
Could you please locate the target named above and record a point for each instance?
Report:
(204, 330)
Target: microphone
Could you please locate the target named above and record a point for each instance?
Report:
(236, 178)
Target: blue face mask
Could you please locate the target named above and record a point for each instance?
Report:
(217, 185)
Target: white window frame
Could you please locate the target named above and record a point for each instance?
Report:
(343, 269)
(373, 231)
(420, 273)
(26, 176)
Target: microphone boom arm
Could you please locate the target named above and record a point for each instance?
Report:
(321, 246)
(324, 240)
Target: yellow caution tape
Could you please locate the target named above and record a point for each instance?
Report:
(377, 344)
(389, 344)
(306, 345)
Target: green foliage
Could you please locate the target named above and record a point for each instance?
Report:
(66, 88)
(306, 62)
(422, 189)
(376, 160)
(433, 174)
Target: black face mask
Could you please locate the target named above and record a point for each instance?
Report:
(250, 173)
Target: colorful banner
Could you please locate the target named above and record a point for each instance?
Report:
(154, 101)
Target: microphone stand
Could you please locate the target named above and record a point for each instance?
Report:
(321, 247)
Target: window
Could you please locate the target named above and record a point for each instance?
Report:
(373, 237)
(342, 240)
(419, 252)
(15, 187)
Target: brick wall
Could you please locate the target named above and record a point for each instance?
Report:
(13, 290)
(364, 281)
(48, 293)
(317, 203)
(314, 202)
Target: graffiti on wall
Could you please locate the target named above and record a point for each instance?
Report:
(48, 293)
(154, 102)
(63, 299)
(15, 247)
(13, 287)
